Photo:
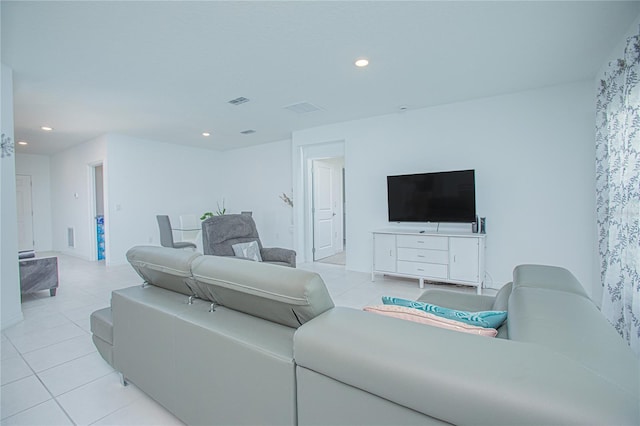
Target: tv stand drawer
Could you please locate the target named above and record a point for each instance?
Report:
(420, 255)
(423, 242)
(431, 270)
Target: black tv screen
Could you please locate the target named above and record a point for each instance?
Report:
(432, 197)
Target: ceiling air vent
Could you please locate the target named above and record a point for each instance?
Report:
(247, 132)
(302, 107)
(239, 101)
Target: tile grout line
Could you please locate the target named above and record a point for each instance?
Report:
(45, 387)
(53, 328)
(84, 384)
(48, 346)
(53, 397)
(36, 374)
(115, 411)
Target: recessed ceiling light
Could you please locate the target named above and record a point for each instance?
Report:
(362, 62)
(46, 128)
(22, 143)
(206, 134)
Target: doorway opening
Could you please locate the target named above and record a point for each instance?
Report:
(328, 210)
(97, 207)
(24, 202)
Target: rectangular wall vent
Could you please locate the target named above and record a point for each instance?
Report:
(302, 107)
(71, 241)
(239, 101)
(247, 132)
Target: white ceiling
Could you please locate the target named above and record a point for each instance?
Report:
(164, 70)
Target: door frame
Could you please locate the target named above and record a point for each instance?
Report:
(93, 252)
(303, 190)
(33, 236)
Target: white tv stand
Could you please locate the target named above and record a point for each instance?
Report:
(435, 256)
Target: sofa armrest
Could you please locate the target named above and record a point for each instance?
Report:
(277, 254)
(455, 377)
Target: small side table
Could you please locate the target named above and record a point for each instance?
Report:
(39, 273)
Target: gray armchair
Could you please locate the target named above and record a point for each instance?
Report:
(220, 233)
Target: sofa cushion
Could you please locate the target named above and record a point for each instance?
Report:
(487, 319)
(102, 329)
(471, 302)
(286, 296)
(102, 324)
(422, 317)
(164, 267)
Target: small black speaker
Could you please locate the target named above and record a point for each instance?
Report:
(483, 225)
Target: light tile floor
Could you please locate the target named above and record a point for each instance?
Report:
(51, 373)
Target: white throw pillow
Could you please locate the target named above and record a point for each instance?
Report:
(249, 250)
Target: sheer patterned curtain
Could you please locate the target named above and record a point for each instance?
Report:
(618, 192)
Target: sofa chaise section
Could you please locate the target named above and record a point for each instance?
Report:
(352, 364)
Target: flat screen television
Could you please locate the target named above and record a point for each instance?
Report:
(432, 197)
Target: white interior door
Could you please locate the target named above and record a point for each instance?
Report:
(25, 212)
(323, 212)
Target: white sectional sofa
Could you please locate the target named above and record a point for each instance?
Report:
(225, 341)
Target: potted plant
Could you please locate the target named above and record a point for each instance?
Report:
(221, 210)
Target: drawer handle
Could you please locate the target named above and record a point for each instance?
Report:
(420, 255)
(420, 269)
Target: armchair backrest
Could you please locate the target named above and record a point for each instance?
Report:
(220, 233)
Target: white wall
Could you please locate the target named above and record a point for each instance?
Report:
(533, 155)
(254, 178)
(72, 204)
(145, 178)
(11, 311)
(37, 166)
